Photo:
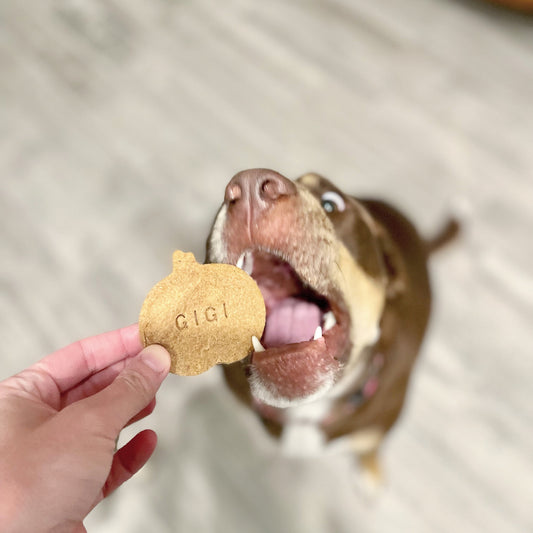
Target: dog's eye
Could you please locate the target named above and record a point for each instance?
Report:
(332, 201)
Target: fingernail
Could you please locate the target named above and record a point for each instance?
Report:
(156, 357)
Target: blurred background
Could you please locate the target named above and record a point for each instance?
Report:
(120, 124)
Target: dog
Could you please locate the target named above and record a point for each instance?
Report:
(347, 294)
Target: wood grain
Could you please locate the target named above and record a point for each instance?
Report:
(120, 124)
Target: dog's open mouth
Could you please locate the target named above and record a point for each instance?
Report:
(305, 336)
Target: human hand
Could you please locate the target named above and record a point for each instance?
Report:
(59, 421)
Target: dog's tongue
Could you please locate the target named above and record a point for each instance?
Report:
(291, 320)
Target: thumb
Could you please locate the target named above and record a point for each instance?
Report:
(131, 391)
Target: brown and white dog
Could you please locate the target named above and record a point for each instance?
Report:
(347, 294)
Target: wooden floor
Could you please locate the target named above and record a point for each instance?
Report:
(121, 122)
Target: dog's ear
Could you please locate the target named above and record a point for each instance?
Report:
(384, 255)
(393, 263)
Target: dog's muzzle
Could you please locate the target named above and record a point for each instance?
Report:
(277, 232)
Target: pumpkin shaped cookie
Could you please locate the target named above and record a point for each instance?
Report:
(202, 314)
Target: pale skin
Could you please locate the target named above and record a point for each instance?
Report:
(59, 421)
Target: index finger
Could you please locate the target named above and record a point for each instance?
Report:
(80, 360)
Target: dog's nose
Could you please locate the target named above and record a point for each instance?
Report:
(258, 187)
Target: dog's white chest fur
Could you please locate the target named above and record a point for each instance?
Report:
(302, 435)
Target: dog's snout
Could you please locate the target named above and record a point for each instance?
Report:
(274, 186)
(258, 187)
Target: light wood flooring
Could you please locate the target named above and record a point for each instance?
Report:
(121, 122)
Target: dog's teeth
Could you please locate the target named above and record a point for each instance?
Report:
(246, 262)
(318, 333)
(329, 320)
(248, 266)
(258, 347)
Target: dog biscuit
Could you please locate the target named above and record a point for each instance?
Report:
(202, 314)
